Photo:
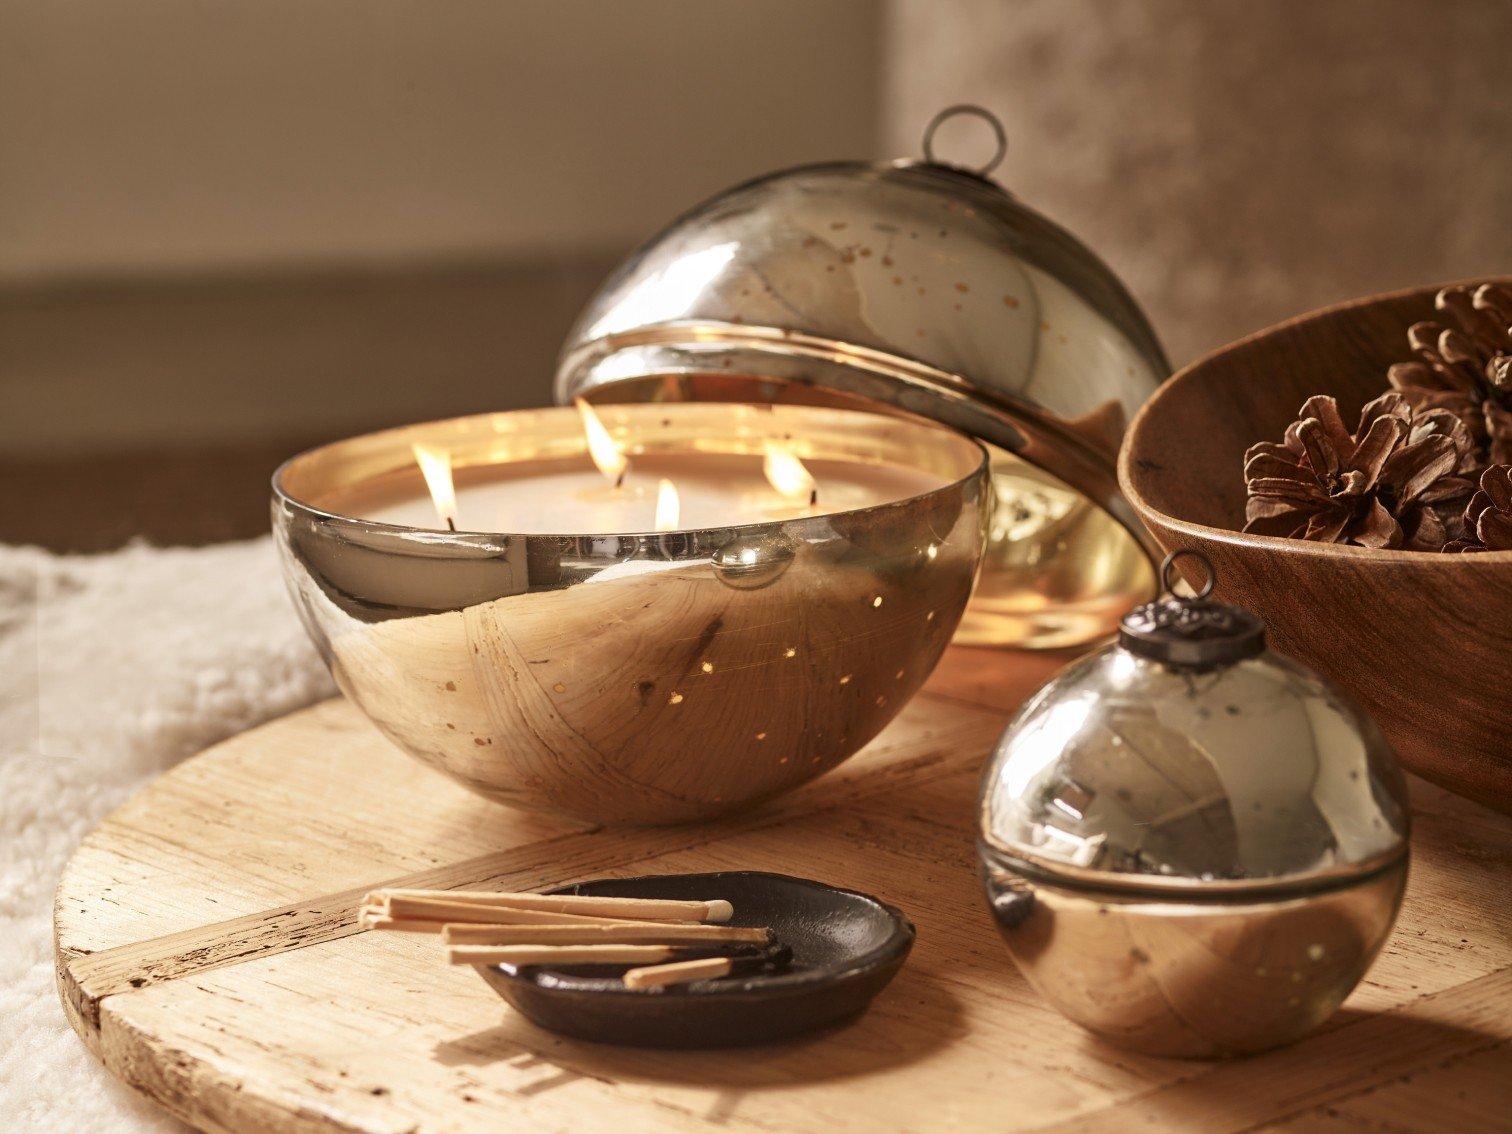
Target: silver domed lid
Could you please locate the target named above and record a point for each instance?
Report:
(915, 284)
(1128, 772)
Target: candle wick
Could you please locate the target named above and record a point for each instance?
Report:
(813, 497)
(451, 523)
(620, 480)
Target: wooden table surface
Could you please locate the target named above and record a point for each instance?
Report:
(207, 952)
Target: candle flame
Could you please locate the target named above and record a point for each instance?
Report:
(436, 468)
(786, 473)
(601, 447)
(668, 506)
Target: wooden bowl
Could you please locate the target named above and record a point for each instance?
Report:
(1421, 639)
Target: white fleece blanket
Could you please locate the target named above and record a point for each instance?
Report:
(112, 669)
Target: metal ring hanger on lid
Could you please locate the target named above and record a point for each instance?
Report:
(971, 110)
(1193, 632)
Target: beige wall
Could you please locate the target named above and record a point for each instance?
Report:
(193, 136)
(1237, 161)
(224, 220)
(246, 222)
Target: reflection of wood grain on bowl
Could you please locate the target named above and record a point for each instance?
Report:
(1212, 978)
(496, 682)
(660, 693)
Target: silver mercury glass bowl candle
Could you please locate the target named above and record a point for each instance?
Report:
(639, 676)
(1192, 846)
(918, 287)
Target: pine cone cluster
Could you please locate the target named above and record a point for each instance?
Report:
(1397, 480)
(1466, 368)
(1488, 516)
(1428, 467)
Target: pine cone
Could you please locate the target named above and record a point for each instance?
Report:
(1466, 368)
(1488, 516)
(1396, 481)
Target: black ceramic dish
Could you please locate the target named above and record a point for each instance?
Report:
(846, 947)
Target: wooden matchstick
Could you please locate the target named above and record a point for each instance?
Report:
(482, 897)
(607, 933)
(560, 955)
(640, 909)
(679, 972)
(436, 910)
(405, 925)
(472, 912)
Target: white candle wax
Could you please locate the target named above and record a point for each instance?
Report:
(571, 497)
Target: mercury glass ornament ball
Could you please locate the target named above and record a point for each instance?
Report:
(1193, 846)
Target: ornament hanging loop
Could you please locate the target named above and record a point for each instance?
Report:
(1192, 632)
(971, 110)
(1169, 581)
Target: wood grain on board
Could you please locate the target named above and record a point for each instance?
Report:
(207, 953)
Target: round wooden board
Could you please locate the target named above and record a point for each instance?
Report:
(207, 953)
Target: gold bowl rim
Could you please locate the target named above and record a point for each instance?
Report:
(284, 497)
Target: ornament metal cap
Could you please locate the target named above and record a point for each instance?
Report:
(1192, 632)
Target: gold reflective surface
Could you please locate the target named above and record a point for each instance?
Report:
(1192, 978)
(645, 677)
(1058, 571)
